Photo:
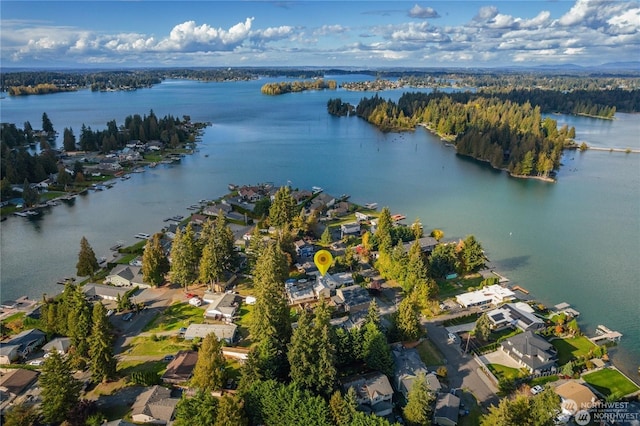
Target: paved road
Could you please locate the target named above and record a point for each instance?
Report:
(462, 370)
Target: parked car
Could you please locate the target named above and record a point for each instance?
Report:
(127, 317)
(536, 389)
(37, 362)
(190, 295)
(110, 312)
(195, 301)
(168, 358)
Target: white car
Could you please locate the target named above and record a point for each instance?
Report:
(536, 389)
(110, 312)
(195, 301)
(36, 362)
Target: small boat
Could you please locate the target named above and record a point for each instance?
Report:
(116, 246)
(371, 206)
(232, 187)
(21, 214)
(142, 236)
(65, 280)
(316, 189)
(125, 177)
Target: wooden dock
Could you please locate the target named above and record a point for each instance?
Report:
(520, 289)
(604, 333)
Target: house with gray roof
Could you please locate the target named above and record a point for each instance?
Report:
(407, 366)
(106, 292)
(427, 244)
(373, 392)
(127, 276)
(353, 298)
(222, 306)
(154, 406)
(59, 344)
(27, 341)
(531, 351)
(446, 410)
(516, 315)
(226, 332)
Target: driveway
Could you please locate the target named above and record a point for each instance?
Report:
(499, 357)
(462, 370)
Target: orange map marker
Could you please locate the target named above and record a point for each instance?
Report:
(323, 260)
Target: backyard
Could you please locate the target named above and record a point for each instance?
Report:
(609, 382)
(572, 348)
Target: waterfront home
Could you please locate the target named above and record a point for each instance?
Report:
(489, 295)
(214, 209)
(106, 292)
(407, 365)
(427, 244)
(180, 369)
(222, 306)
(565, 308)
(126, 276)
(531, 352)
(575, 397)
(352, 298)
(224, 332)
(446, 410)
(154, 406)
(373, 391)
(516, 315)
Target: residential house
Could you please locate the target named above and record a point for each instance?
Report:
(427, 244)
(301, 195)
(407, 366)
(154, 406)
(518, 314)
(304, 249)
(373, 392)
(226, 332)
(355, 320)
(180, 369)
(362, 217)
(489, 295)
(565, 308)
(531, 351)
(59, 344)
(340, 208)
(106, 292)
(14, 382)
(300, 291)
(433, 384)
(575, 397)
(250, 193)
(446, 410)
(352, 228)
(8, 353)
(352, 298)
(222, 306)
(215, 209)
(109, 165)
(27, 341)
(127, 276)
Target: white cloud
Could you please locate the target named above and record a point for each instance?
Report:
(423, 12)
(330, 30)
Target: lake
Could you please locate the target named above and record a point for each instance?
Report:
(573, 241)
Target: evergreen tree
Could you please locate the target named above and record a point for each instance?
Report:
(230, 412)
(69, 140)
(383, 231)
(184, 257)
(376, 351)
(155, 264)
(417, 412)
(472, 257)
(87, 262)
(200, 409)
(443, 261)
(483, 327)
(78, 325)
(29, 195)
(343, 408)
(102, 362)
(325, 238)
(59, 390)
(407, 321)
(209, 372)
(47, 126)
(21, 415)
(283, 209)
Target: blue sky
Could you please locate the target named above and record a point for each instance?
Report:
(317, 33)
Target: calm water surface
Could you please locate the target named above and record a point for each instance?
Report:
(576, 240)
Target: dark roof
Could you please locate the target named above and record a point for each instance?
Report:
(447, 406)
(531, 349)
(27, 337)
(180, 369)
(17, 380)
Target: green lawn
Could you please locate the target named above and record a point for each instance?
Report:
(176, 316)
(164, 345)
(429, 354)
(571, 348)
(610, 382)
(503, 372)
(543, 380)
(461, 320)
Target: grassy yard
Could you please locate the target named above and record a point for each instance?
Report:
(174, 317)
(543, 380)
(610, 382)
(503, 372)
(448, 288)
(162, 345)
(461, 320)
(429, 354)
(571, 348)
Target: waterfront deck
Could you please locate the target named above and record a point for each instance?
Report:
(605, 334)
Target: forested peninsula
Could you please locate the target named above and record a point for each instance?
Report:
(505, 129)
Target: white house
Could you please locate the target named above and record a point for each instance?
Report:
(488, 295)
(352, 228)
(221, 305)
(226, 332)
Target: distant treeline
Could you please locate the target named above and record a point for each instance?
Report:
(504, 133)
(298, 86)
(17, 164)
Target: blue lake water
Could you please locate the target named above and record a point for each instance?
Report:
(576, 240)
